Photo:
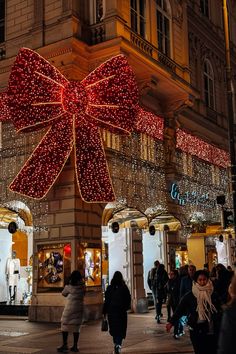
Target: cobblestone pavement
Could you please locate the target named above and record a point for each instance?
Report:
(144, 336)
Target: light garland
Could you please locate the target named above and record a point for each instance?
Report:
(39, 96)
(150, 124)
(198, 147)
(4, 110)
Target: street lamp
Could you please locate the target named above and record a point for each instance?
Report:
(230, 104)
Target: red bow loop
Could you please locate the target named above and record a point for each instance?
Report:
(39, 96)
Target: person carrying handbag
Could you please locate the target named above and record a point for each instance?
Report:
(117, 303)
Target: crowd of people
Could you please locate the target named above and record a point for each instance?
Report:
(203, 301)
(200, 299)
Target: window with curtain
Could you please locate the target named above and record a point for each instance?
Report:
(209, 90)
(163, 17)
(137, 13)
(204, 7)
(2, 21)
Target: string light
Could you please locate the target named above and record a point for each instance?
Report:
(150, 124)
(39, 96)
(198, 147)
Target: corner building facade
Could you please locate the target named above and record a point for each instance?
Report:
(167, 174)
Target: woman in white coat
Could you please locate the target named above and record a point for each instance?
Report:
(72, 315)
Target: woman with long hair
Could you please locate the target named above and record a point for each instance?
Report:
(117, 302)
(72, 315)
(201, 306)
(227, 338)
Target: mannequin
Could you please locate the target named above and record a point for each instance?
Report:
(13, 275)
(221, 248)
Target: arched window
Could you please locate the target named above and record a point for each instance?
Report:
(209, 90)
(137, 12)
(163, 16)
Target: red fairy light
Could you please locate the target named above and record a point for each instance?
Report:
(150, 124)
(198, 147)
(40, 96)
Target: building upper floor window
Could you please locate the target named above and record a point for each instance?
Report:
(138, 22)
(209, 90)
(2, 21)
(204, 7)
(163, 26)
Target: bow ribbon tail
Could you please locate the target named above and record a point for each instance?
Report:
(46, 162)
(91, 166)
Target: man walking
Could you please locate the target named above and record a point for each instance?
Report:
(150, 281)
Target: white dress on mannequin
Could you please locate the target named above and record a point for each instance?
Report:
(13, 271)
(221, 248)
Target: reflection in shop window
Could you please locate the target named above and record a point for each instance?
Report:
(54, 266)
(147, 148)
(89, 263)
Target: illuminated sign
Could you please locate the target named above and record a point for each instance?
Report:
(191, 197)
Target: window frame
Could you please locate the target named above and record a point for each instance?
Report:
(209, 89)
(138, 17)
(3, 22)
(163, 10)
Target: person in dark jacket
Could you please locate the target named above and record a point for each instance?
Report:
(202, 308)
(117, 302)
(172, 288)
(159, 289)
(227, 337)
(222, 282)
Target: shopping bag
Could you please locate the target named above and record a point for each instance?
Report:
(104, 326)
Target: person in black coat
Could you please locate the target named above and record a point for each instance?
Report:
(202, 308)
(172, 288)
(159, 289)
(227, 337)
(117, 302)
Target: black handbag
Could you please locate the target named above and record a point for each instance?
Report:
(104, 326)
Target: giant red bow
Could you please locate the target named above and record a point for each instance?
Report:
(39, 96)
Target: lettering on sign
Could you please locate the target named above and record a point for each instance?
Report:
(189, 197)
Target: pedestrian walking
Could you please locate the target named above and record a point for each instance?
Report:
(227, 337)
(202, 308)
(172, 288)
(72, 315)
(159, 289)
(150, 281)
(117, 303)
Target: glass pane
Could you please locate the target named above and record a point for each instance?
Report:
(133, 4)
(160, 41)
(142, 7)
(159, 3)
(159, 22)
(2, 9)
(166, 27)
(142, 27)
(164, 6)
(134, 21)
(167, 46)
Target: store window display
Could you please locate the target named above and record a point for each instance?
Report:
(13, 275)
(221, 248)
